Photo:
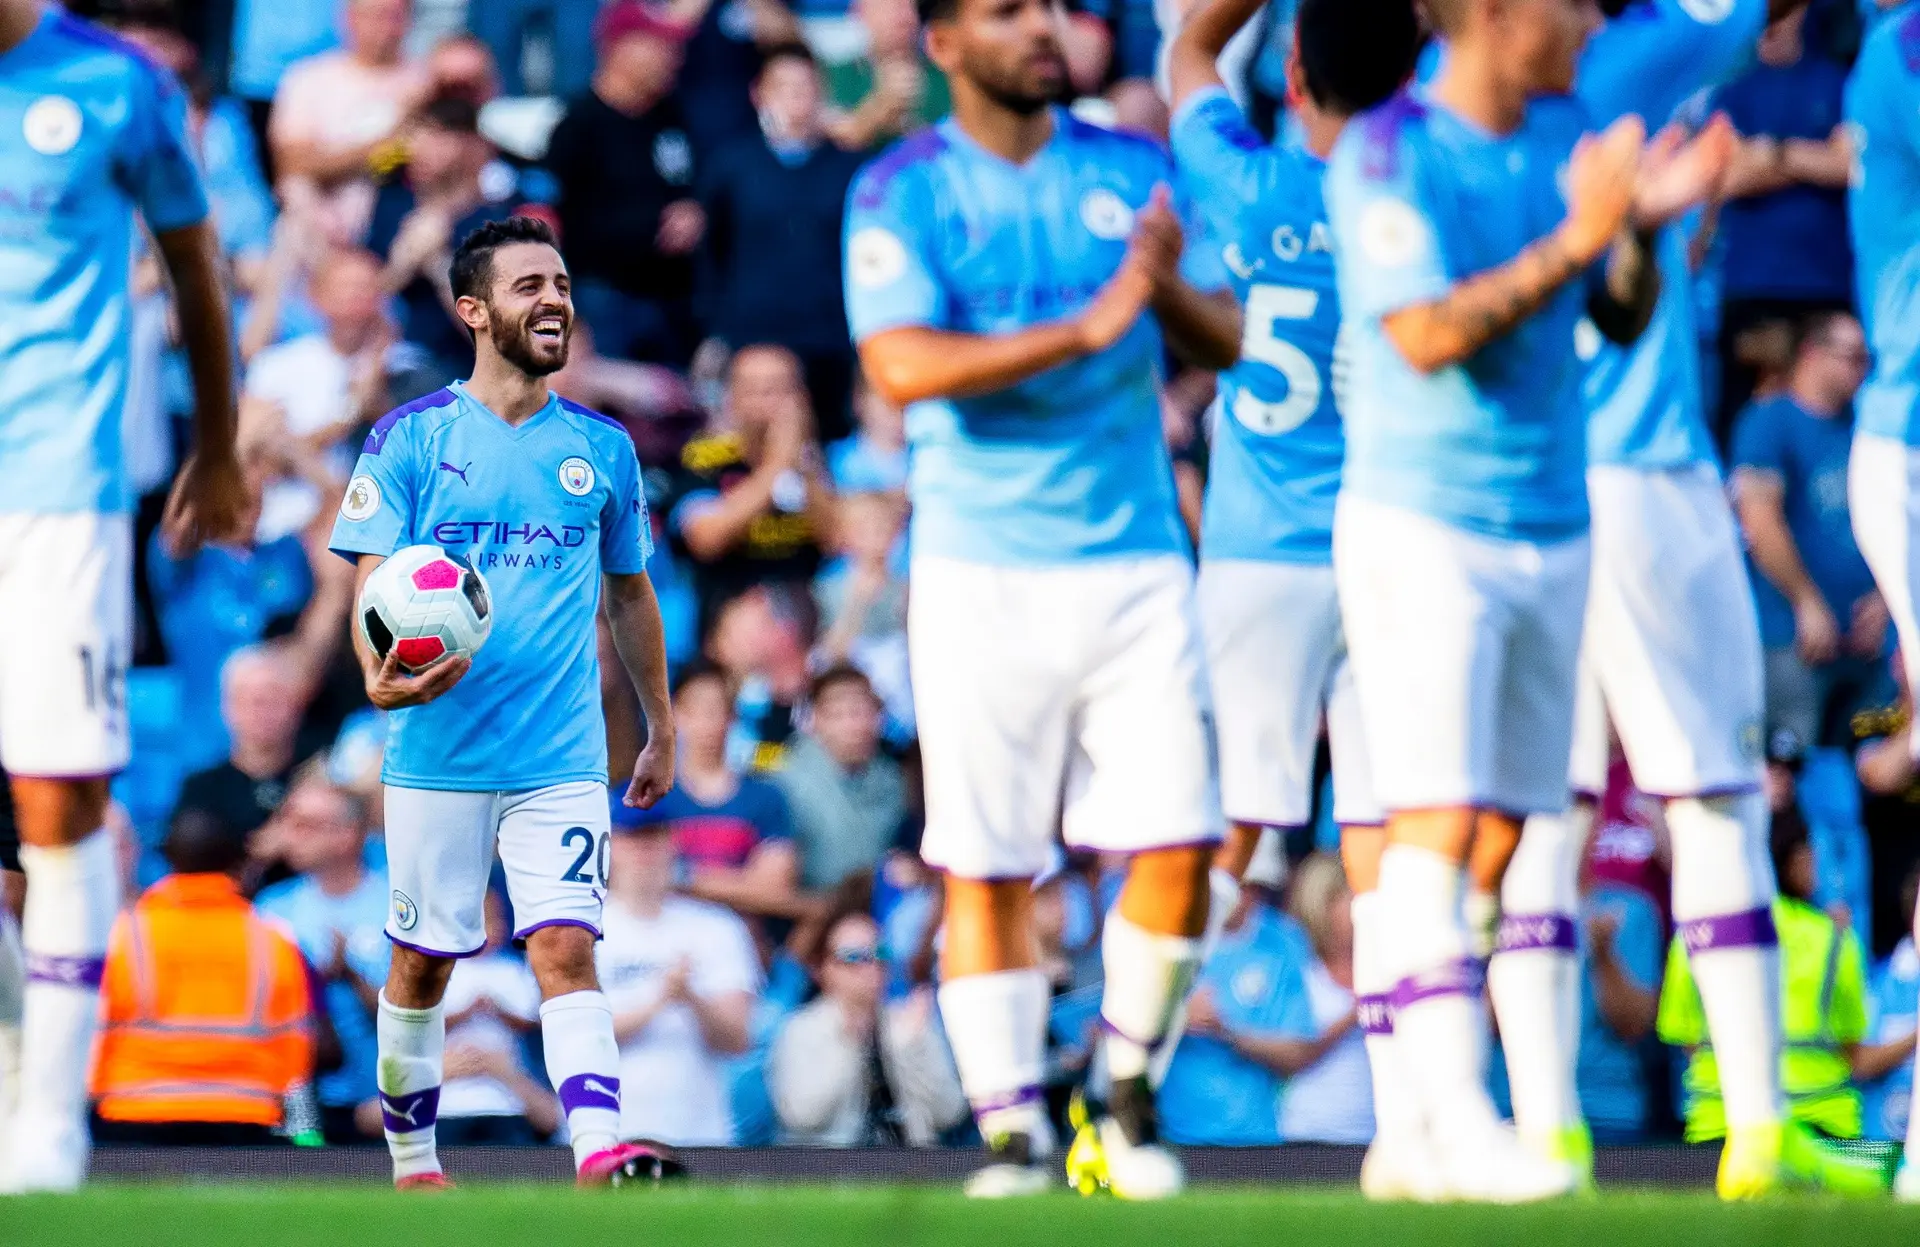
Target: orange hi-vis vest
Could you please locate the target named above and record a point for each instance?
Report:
(205, 1010)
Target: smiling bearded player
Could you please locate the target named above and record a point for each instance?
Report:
(510, 746)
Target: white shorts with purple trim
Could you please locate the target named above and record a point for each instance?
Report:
(1672, 654)
(1278, 658)
(1062, 702)
(552, 842)
(1465, 650)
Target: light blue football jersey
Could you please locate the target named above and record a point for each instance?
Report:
(1883, 113)
(542, 510)
(1646, 399)
(1419, 200)
(1277, 443)
(90, 133)
(1065, 466)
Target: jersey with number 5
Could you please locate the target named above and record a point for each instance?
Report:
(1277, 439)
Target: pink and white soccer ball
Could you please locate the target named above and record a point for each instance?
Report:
(425, 604)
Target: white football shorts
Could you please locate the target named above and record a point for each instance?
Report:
(66, 640)
(1464, 649)
(1070, 699)
(1883, 493)
(553, 844)
(1672, 649)
(1278, 658)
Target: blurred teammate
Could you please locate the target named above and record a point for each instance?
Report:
(1883, 111)
(1671, 654)
(510, 748)
(998, 270)
(1471, 235)
(1268, 607)
(93, 134)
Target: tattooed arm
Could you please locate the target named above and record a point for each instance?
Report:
(1452, 328)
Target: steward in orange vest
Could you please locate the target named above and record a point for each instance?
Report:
(206, 1016)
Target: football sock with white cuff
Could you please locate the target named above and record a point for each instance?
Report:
(1534, 978)
(1223, 899)
(13, 999)
(1395, 1110)
(1147, 979)
(996, 1024)
(1437, 995)
(73, 894)
(1723, 894)
(412, 1045)
(583, 1061)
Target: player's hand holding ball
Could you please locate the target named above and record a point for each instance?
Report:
(1602, 178)
(423, 614)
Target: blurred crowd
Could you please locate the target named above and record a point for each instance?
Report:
(771, 932)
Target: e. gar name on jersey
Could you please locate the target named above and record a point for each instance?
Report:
(543, 509)
(1278, 444)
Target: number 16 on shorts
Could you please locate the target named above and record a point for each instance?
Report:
(553, 844)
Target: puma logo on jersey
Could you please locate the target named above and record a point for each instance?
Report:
(459, 472)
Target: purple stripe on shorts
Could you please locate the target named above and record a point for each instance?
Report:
(1454, 978)
(590, 1091)
(66, 971)
(1526, 932)
(1375, 1013)
(1016, 1098)
(1752, 929)
(1741, 789)
(424, 951)
(558, 922)
(416, 1110)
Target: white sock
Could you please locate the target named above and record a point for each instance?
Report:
(997, 1027)
(1395, 1110)
(13, 999)
(412, 1043)
(1723, 893)
(1147, 976)
(1534, 979)
(1436, 999)
(73, 893)
(583, 1062)
(1224, 897)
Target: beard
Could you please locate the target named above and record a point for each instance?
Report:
(517, 345)
(1008, 92)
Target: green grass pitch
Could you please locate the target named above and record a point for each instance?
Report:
(258, 1215)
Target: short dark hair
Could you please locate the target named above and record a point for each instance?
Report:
(1446, 16)
(836, 675)
(200, 842)
(1356, 53)
(697, 670)
(1788, 835)
(789, 50)
(473, 259)
(932, 11)
(1816, 328)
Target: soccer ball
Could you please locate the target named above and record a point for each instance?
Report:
(425, 604)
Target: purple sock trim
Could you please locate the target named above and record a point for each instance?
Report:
(1526, 932)
(1454, 978)
(590, 1091)
(1016, 1098)
(1752, 929)
(416, 1110)
(1375, 1013)
(1110, 1029)
(80, 972)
